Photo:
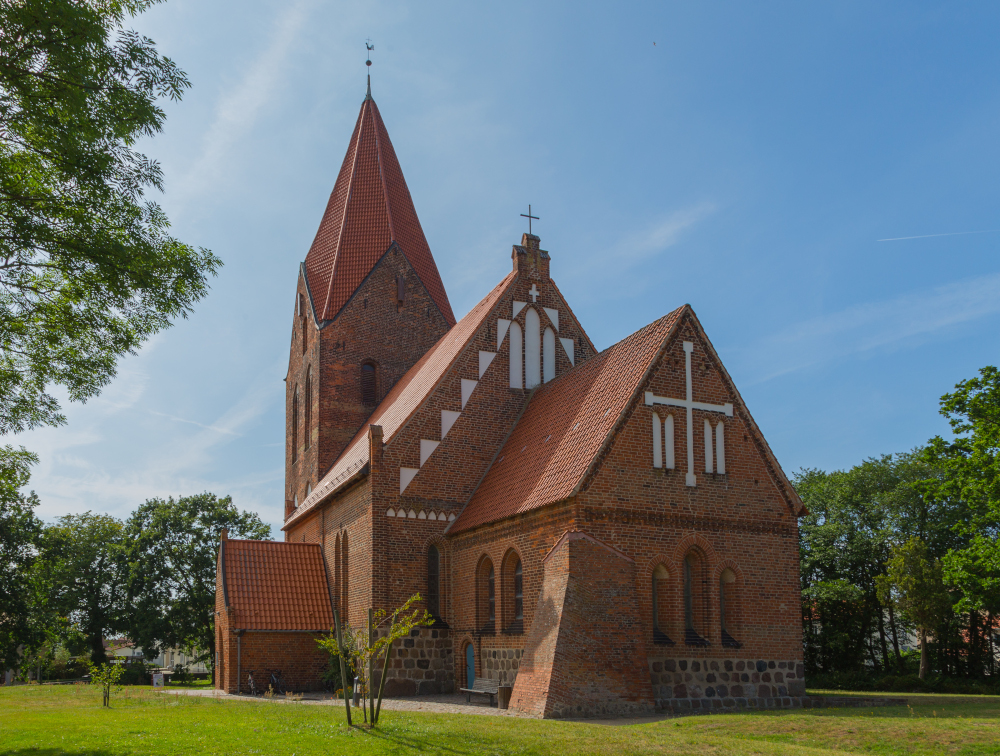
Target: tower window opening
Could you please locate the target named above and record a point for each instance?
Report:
(368, 385)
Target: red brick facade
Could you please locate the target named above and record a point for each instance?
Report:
(586, 555)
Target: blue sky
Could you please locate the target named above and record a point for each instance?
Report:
(749, 163)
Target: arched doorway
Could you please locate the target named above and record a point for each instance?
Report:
(470, 666)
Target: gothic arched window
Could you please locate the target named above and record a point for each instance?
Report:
(516, 357)
(694, 603)
(518, 592)
(532, 348)
(309, 404)
(486, 597)
(548, 355)
(728, 608)
(661, 606)
(368, 385)
(434, 581)
(295, 424)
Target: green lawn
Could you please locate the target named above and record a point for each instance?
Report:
(69, 719)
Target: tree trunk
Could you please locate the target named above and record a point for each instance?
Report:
(895, 640)
(882, 642)
(925, 659)
(343, 671)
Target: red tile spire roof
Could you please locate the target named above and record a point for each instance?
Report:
(369, 209)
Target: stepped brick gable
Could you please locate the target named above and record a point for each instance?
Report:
(605, 532)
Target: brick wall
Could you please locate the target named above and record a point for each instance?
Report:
(372, 327)
(584, 656)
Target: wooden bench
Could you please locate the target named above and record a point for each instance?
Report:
(483, 687)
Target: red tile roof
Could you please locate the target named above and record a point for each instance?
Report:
(271, 585)
(370, 208)
(563, 429)
(405, 397)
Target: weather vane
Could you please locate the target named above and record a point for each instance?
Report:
(529, 216)
(369, 46)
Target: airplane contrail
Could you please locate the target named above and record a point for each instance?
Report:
(928, 236)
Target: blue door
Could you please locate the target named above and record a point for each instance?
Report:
(470, 666)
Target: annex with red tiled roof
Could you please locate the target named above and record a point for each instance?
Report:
(561, 511)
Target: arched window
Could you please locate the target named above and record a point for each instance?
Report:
(657, 440)
(516, 369)
(344, 582)
(548, 355)
(661, 606)
(532, 349)
(368, 385)
(518, 592)
(486, 597)
(512, 603)
(295, 424)
(336, 573)
(693, 600)
(728, 608)
(492, 592)
(434, 581)
(309, 404)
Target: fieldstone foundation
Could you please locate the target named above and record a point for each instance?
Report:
(684, 685)
(421, 664)
(501, 664)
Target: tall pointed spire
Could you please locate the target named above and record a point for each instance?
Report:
(370, 209)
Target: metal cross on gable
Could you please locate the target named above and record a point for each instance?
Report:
(689, 404)
(529, 216)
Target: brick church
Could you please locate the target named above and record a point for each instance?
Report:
(608, 532)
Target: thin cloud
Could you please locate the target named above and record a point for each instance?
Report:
(932, 236)
(665, 233)
(876, 325)
(238, 110)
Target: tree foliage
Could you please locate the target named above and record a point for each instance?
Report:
(106, 677)
(972, 459)
(82, 571)
(172, 556)
(20, 531)
(914, 586)
(365, 647)
(88, 270)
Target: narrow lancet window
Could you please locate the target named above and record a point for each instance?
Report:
(516, 348)
(295, 425)
(434, 581)
(532, 349)
(668, 441)
(720, 448)
(727, 608)
(660, 606)
(709, 467)
(548, 355)
(368, 385)
(657, 451)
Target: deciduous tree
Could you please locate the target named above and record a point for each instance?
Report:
(172, 552)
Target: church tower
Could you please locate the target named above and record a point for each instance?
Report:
(369, 303)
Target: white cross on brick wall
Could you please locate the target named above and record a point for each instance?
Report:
(689, 404)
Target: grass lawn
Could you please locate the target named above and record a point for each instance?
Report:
(69, 719)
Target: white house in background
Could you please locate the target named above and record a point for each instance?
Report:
(170, 658)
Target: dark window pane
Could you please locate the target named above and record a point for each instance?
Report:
(518, 592)
(368, 385)
(493, 597)
(433, 581)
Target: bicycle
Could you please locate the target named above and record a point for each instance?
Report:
(277, 684)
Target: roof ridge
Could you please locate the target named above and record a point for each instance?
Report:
(351, 451)
(347, 202)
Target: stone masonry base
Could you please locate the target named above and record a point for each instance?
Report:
(685, 685)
